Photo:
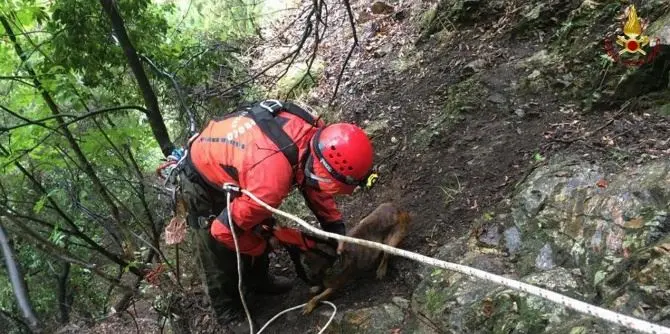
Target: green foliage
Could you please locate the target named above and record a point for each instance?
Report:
(70, 46)
(84, 39)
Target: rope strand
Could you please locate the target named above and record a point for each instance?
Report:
(239, 265)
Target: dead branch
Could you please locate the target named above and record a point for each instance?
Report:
(293, 54)
(590, 133)
(351, 51)
(306, 33)
(317, 39)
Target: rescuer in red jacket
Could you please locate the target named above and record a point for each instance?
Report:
(267, 148)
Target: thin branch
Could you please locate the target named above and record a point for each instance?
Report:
(351, 51)
(16, 319)
(17, 79)
(180, 93)
(25, 119)
(112, 256)
(26, 152)
(216, 46)
(64, 255)
(312, 58)
(26, 33)
(275, 63)
(306, 33)
(76, 118)
(40, 221)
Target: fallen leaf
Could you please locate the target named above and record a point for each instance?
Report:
(487, 308)
(663, 248)
(175, 231)
(634, 223)
(602, 183)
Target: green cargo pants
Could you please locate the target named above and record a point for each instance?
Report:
(218, 264)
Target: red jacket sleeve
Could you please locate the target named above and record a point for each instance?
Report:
(270, 181)
(322, 205)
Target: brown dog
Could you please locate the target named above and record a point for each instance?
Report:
(387, 224)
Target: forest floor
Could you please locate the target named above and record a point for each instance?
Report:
(453, 135)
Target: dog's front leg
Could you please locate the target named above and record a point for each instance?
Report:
(336, 283)
(393, 239)
(314, 302)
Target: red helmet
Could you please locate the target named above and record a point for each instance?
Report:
(341, 158)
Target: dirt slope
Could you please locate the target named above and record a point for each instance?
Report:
(462, 131)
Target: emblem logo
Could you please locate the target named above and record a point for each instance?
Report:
(632, 42)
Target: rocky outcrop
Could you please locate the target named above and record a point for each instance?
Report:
(574, 228)
(456, 13)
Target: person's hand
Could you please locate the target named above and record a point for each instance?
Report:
(340, 247)
(264, 229)
(338, 228)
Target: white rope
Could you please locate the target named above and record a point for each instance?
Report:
(239, 265)
(582, 307)
(323, 329)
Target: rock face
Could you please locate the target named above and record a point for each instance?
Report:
(571, 228)
(378, 319)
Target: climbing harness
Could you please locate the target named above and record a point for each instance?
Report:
(264, 113)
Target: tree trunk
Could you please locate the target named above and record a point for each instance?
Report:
(17, 280)
(65, 297)
(155, 118)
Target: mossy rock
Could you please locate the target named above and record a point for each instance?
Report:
(542, 14)
(298, 80)
(592, 235)
(463, 97)
(453, 14)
